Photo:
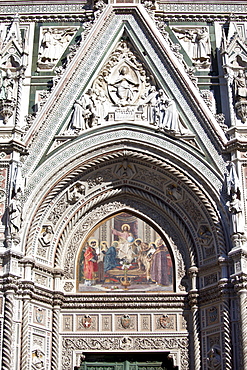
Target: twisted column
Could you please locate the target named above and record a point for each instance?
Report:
(227, 343)
(18, 102)
(243, 319)
(193, 301)
(224, 289)
(196, 326)
(55, 338)
(7, 331)
(24, 333)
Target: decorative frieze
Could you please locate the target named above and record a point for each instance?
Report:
(120, 343)
(143, 322)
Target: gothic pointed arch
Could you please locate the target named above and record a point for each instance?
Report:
(123, 184)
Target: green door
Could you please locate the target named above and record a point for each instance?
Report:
(125, 365)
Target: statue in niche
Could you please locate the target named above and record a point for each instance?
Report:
(240, 94)
(46, 49)
(201, 45)
(235, 208)
(240, 86)
(124, 87)
(7, 86)
(235, 204)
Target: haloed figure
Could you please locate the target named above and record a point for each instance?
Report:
(160, 271)
(90, 264)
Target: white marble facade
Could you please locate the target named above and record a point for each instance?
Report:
(123, 146)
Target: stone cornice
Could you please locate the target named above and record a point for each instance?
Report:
(96, 301)
(42, 7)
(202, 7)
(169, 7)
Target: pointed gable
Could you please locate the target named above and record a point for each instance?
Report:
(126, 78)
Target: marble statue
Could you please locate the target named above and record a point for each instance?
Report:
(240, 86)
(124, 86)
(196, 42)
(38, 360)
(150, 100)
(75, 192)
(46, 236)
(235, 208)
(7, 86)
(166, 113)
(15, 214)
(85, 113)
(201, 45)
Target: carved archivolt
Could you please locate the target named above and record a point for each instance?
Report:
(56, 205)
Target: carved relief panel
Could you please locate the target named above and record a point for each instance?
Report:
(125, 90)
(53, 42)
(196, 42)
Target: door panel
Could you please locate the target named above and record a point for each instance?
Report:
(125, 365)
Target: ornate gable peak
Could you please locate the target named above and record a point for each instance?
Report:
(108, 29)
(13, 34)
(11, 47)
(235, 47)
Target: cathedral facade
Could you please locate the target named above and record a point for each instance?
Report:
(123, 146)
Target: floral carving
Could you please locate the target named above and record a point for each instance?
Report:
(58, 210)
(133, 343)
